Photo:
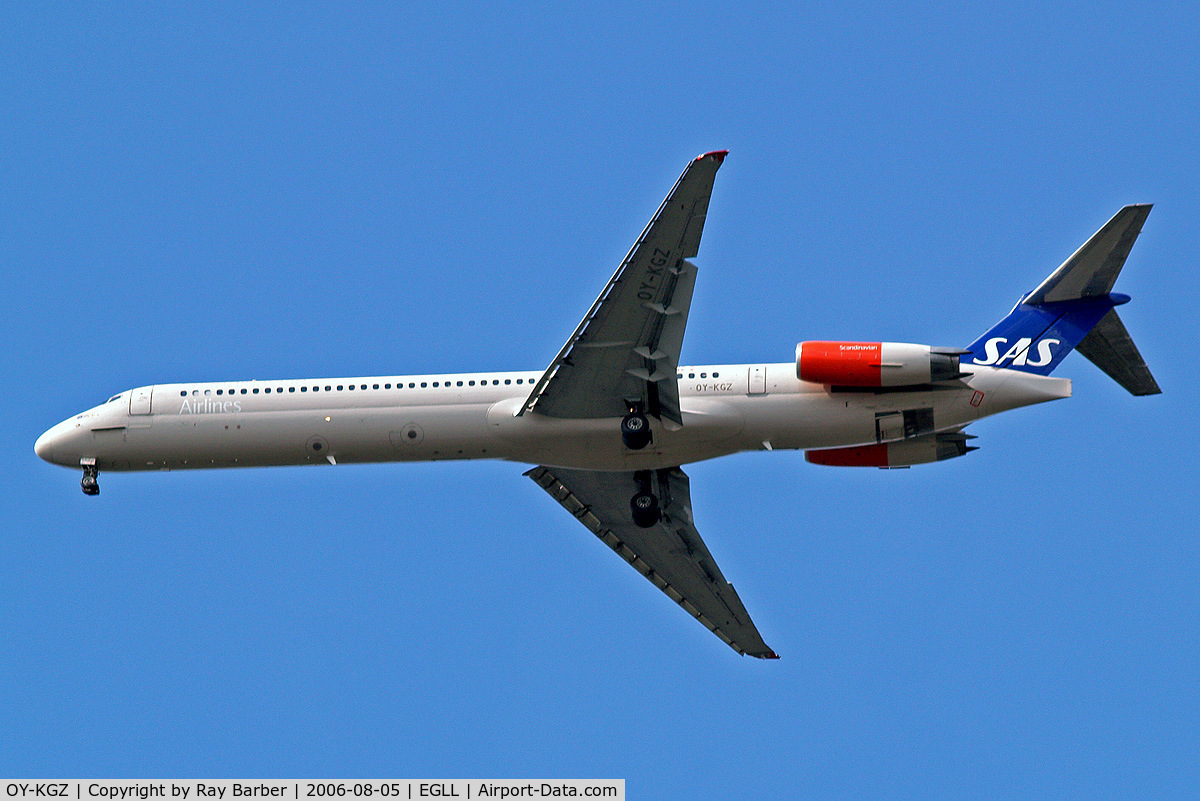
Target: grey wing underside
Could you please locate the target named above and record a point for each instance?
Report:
(670, 554)
(627, 346)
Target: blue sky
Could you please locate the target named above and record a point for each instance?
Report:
(224, 192)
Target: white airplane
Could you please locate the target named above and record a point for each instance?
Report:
(614, 416)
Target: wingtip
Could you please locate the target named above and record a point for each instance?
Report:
(718, 155)
(767, 654)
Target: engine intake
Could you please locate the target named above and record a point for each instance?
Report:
(875, 364)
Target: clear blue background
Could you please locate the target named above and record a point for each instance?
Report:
(293, 190)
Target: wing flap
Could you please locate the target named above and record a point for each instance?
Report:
(671, 554)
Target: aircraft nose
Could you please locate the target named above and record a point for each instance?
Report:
(43, 446)
(49, 446)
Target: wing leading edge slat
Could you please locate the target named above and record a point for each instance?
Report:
(671, 554)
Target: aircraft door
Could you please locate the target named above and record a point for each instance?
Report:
(139, 400)
(757, 380)
(890, 426)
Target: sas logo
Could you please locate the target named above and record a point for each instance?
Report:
(1019, 352)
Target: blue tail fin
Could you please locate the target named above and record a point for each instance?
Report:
(1036, 338)
(1074, 307)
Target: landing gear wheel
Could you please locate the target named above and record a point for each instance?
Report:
(635, 431)
(91, 480)
(644, 507)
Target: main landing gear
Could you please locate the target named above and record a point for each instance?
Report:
(635, 433)
(644, 505)
(91, 479)
(635, 428)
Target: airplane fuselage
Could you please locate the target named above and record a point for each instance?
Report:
(612, 419)
(726, 409)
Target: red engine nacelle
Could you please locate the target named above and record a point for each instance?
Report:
(920, 450)
(875, 364)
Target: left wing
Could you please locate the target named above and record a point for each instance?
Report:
(627, 346)
(670, 553)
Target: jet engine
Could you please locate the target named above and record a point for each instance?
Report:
(875, 364)
(920, 450)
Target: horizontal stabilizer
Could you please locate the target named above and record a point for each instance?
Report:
(1075, 309)
(1110, 348)
(1093, 269)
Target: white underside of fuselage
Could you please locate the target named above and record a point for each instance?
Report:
(726, 410)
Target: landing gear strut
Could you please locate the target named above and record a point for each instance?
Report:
(635, 428)
(91, 480)
(644, 505)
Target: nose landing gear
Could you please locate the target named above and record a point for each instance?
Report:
(91, 479)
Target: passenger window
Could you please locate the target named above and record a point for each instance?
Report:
(373, 386)
(704, 375)
(518, 380)
(460, 383)
(267, 390)
(304, 389)
(508, 381)
(182, 394)
(423, 385)
(256, 390)
(291, 389)
(243, 392)
(716, 375)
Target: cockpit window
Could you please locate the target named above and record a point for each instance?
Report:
(113, 398)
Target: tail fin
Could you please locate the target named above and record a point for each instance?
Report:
(1075, 308)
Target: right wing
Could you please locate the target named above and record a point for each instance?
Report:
(627, 346)
(670, 554)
